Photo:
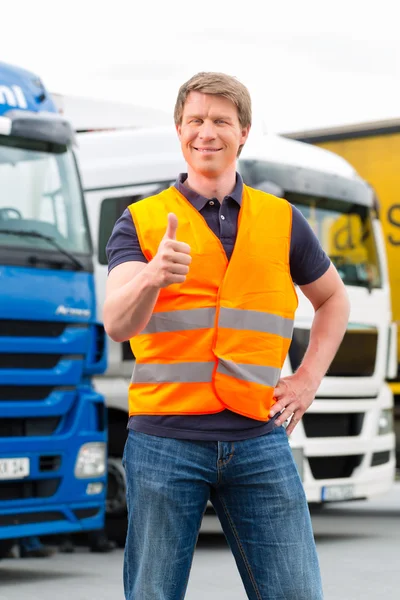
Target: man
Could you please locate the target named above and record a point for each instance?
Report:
(207, 299)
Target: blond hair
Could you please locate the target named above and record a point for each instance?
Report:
(219, 84)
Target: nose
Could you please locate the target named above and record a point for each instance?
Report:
(207, 130)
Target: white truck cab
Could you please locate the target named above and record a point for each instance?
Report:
(344, 445)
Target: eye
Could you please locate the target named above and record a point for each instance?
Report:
(220, 121)
(195, 121)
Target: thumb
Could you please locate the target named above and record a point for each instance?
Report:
(280, 389)
(172, 226)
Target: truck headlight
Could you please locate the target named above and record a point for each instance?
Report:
(385, 421)
(91, 460)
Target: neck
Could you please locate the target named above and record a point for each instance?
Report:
(212, 187)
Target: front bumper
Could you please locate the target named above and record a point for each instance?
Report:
(54, 518)
(362, 464)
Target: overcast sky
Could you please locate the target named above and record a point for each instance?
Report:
(307, 63)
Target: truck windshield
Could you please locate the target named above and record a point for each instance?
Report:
(40, 193)
(346, 233)
(337, 209)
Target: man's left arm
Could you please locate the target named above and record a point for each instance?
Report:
(295, 393)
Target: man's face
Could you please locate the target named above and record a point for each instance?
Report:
(210, 133)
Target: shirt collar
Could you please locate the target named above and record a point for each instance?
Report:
(199, 201)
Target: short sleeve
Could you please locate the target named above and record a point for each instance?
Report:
(123, 245)
(308, 261)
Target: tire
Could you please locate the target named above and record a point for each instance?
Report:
(5, 547)
(316, 508)
(116, 514)
(116, 528)
(116, 487)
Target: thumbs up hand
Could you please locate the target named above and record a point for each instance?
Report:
(171, 263)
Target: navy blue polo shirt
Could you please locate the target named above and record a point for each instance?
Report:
(308, 262)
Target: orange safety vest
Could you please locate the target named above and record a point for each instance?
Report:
(219, 340)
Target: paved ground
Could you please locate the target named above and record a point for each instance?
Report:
(358, 545)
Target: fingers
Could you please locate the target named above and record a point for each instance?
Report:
(178, 269)
(292, 399)
(178, 247)
(285, 404)
(174, 278)
(182, 258)
(281, 401)
(170, 258)
(285, 414)
(293, 422)
(172, 226)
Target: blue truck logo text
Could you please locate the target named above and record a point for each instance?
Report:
(13, 96)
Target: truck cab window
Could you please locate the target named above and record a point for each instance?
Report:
(112, 208)
(110, 211)
(346, 234)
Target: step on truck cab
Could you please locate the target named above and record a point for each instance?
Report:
(53, 426)
(344, 445)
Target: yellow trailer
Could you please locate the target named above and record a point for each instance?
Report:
(373, 149)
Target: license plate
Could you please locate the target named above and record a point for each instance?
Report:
(14, 468)
(336, 493)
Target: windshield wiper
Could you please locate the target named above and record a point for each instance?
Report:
(22, 233)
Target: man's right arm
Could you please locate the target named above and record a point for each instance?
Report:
(133, 287)
(130, 299)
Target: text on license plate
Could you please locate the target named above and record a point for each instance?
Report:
(333, 493)
(14, 468)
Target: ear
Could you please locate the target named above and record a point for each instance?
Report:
(179, 130)
(245, 134)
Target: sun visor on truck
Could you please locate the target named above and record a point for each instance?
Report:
(301, 180)
(43, 127)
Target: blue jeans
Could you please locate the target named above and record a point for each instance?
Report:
(257, 494)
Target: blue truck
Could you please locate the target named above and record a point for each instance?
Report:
(53, 424)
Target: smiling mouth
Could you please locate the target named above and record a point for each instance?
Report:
(207, 150)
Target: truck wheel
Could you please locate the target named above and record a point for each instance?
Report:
(116, 515)
(116, 529)
(5, 547)
(116, 487)
(316, 507)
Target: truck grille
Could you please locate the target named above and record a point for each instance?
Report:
(86, 513)
(356, 356)
(33, 361)
(11, 328)
(334, 467)
(36, 517)
(49, 462)
(29, 427)
(380, 458)
(332, 424)
(45, 516)
(21, 490)
(12, 393)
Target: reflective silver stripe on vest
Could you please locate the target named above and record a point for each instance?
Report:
(181, 320)
(255, 320)
(254, 373)
(196, 372)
